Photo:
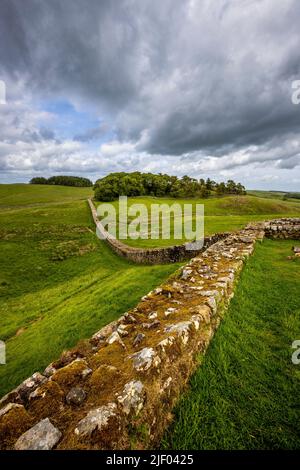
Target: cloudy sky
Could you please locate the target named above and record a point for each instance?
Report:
(197, 87)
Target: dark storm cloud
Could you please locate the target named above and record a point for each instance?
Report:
(190, 74)
(74, 46)
(92, 134)
(175, 78)
(290, 163)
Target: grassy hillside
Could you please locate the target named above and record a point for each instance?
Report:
(221, 214)
(275, 195)
(58, 282)
(266, 194)
(245, 394)
(25, 194)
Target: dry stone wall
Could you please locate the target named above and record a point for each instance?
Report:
(283, 228)
(117, 389)
(171, 254)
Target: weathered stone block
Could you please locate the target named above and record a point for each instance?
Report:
(144, 359)
(133, 397)
(97, 419)
(76, 396)
(43, 436)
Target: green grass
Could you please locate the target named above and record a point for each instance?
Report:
(267, 194)
(245, 395)
(58, 282)
(276, 195)
(222, 214)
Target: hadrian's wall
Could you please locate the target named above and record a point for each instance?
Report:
(117, 389)
(283, 228)
(170, 254)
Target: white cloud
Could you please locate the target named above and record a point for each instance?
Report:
(196, 87)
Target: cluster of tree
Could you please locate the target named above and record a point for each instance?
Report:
(148, 184)
(63, 181)
(229, 188)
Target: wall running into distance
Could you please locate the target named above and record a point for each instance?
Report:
(117, 389)
(170, 254)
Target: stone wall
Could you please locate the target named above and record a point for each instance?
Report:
(117, 389)
(171, 254)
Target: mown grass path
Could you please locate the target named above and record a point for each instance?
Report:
(246, 394)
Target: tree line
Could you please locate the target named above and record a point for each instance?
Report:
(291, 196)
(148, 184)
(62, 180)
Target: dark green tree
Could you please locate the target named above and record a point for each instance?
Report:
(38, 180)
(160, 185)
(221, 188)
(63, 180)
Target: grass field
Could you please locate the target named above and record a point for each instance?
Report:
(58, 282)
(274, 195)
(267, 194)
(222, 214)
(14, 195)
(245, 395)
